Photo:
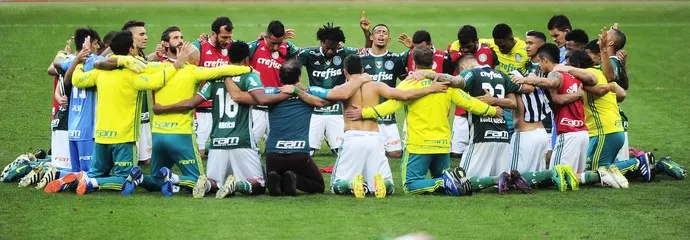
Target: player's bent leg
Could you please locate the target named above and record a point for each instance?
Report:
(259, 124)
(350, 162)
(415, 167)
(334, 132)
(60, 147)
(317, 127)
(74, 155)
(85, 154)
(187, 159)
(460, 137)
(248, 171)
(307, 176)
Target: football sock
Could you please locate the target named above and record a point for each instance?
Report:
(629, 165)
(541, 177)
(483, 182)
(589, 177)
(243, 187)
(390, 187)
(175, 178)
(343, 187)
(208, 186)
(93, 181)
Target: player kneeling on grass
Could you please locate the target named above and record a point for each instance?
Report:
(173, 137)
(427, 144)
(233, 154)
(288, 164)
(362, 166)
(117, 121)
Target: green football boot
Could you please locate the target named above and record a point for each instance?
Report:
(17, 171)
(570, 177)
(558, 178)
(670, 168)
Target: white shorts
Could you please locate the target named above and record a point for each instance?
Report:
(529, 150)
(571, 149)
(361, 153)
(260, 125)
(244, 163)
(144, 143)
(391, 137)
(624, 153)
(461, 135)
(332, 125)
(59, 147)
(486, 159)
(203, 125)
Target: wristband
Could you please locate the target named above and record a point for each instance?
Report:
(296, 91)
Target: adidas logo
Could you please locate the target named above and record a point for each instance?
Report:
(572, 88)
(367, 67)
(263, 49)
(317, 63)
(209, 52)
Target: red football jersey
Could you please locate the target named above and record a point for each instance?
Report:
(484, 56)
(439, 57)
(212, 57)
(268, 63)
(570, 117)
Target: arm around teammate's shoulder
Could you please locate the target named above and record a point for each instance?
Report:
(462, 99)
(83, 79)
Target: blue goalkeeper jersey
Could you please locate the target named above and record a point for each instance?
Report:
(289, 121)
(82, 105)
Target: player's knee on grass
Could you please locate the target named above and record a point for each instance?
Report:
(390, 187)
(456, 155)
(394, 154)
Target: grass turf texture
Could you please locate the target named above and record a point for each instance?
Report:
(656, 105)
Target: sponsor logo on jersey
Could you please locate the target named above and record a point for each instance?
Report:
(382, 76)
(332, 108)
(572, 89)
(437, 141)
(317, 63)
(54, 123)
(216, 63)
(226, 125)
(571, 122)
(165, 125)
(224, 52)
(434, 66)
(337, 60)
(74, 133)
(291, 144)
(145, 116)
(123, 164)
(208, 52)
(367, 67)
(187, 162)
(389, 65)
(271, 63)
(84, 158)
(492, 120)
(491, 134)
(328, 73)
(224, 142)
(491, 75)
(105, 134)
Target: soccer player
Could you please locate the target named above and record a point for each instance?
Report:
(603, 123)
(442, 63)
(117, 117)
(489, 146)
(82, 102)
(171, 41)
(59, 122)
(531, 141)
(559, 26)
(427, 148)
(324, 65)
(467, 43)
(233, 159)
(385, 67)
(214, 53)
(576, 39)
(266, 56)
(173, 137)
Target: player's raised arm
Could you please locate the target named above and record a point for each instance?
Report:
(366, 29)
(454, 81)
(412, 94)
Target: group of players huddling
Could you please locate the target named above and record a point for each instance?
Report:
(528, 113)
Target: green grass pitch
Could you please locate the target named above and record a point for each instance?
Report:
(657, 105)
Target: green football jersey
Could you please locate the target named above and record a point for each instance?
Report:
(232, 122)
(477, 80)
(385, 68)
(325, 73)
(531, 67)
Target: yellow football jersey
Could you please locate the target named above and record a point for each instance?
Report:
(601, 113)
(428, 130)
(514, 60)
(119, 98)
(182, 87)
